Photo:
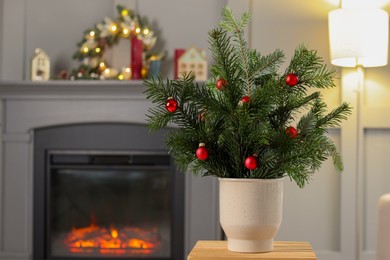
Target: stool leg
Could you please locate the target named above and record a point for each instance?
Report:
(383, 228)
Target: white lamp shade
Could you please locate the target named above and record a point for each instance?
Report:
(358, 37)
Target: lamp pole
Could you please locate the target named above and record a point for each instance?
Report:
(359, 157)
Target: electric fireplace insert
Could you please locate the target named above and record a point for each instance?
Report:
(95, 202)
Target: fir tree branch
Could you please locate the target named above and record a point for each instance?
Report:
(230, 24)
(223, 54)
(335, 117)
(310, 69)
(266, 64)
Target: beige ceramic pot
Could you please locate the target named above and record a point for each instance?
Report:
(250, 212)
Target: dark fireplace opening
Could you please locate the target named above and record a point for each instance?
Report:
(108, 204)
(95, 202)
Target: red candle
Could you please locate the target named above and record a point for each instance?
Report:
(178, 53)
(136, 58)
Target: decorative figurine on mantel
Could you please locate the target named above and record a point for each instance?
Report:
(193, 60)
(40, 65)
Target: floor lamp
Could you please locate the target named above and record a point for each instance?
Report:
(358, 39)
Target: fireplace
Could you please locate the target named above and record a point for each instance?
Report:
(104, 191)
(30, 109)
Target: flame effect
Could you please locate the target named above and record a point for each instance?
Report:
(112, 241)
(114, 233)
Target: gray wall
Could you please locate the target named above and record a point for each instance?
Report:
(1, 34)
(57, 26)
(12, 56)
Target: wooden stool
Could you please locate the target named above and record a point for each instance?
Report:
(217, 250)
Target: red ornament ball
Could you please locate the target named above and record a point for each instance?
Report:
(221, 83)
(292, 132)
(246, 99)
(202, 153)
(171, 105)
(251, 162)
(291, 79)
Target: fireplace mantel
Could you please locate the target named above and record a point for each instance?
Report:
(26, 106)
(82, 88)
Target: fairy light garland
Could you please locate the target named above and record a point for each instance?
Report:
(106, 34)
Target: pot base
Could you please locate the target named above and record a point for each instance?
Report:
(250, 246)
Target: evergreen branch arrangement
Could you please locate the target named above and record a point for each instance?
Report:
(249, 120)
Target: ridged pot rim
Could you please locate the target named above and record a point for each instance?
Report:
(249, 180)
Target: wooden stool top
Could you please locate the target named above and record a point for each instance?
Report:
(217, 250)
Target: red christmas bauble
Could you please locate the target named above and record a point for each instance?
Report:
(292, 132)
(245, 99)
(291, 79)
(171, 105)
(202, 153)
(221, 83)
(251, 162)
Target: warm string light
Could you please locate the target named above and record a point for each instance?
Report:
(97, 50)
(125, 32)
(126, 73)
(102, 66)
(125, 12)
(110, 73)
(85, 50)
(137, 30)
(114, 27)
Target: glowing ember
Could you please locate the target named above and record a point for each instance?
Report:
(124, 241)
(114, 233)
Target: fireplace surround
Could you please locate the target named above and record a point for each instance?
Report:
(29, 106)
(106, 191)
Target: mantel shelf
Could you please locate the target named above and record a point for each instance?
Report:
(71, 82)
(77, 88)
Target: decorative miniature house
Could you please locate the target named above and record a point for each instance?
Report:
(40, 65)
(193, 60)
